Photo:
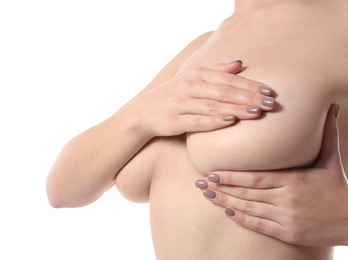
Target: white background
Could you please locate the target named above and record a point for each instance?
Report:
(65, 66)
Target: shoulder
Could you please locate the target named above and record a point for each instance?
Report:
(172, 66)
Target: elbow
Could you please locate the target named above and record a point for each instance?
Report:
(55, 203)
(54, 198)
(60, 197)
(58, 201)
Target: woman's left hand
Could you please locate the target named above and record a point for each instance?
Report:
(298, 206)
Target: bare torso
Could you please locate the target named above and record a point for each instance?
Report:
(297, 48)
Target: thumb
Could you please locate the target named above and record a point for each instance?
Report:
(329, 154)
(233, 67)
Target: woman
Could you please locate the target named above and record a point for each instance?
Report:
(155, 161)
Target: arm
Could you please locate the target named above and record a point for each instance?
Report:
(298, 206)
(198, 100)
(88, 164)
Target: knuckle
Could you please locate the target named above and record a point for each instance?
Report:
(231, 79)
(253, 86)
(212, 107)
(204, 123)
(250, 85)
(196, 121)
(227, 92)
(221, 200)
(254, 99)
(241, 219)
(249, 207)
(256, 180)
(242, 192)
(260, 226)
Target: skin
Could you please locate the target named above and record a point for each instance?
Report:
(87, 166)
(295, 117)
(155, 154)
(302, 206)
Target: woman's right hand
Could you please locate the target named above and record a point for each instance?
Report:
(201, 99)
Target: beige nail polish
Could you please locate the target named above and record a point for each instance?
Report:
(253, 110)
(268, 101)
(265, 90)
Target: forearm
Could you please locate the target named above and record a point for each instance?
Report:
(88, 164)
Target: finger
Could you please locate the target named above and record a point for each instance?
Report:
(329, 154)
(202, 123)
(268, 196)
(204, 184)
(221, 77)
(260, 225)
(253, 208)
(231, 95)
(233, 67)
(256, 180)
(211, 108)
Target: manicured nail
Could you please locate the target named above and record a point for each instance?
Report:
(230, 212)
(236, 61)
(229, 118)
(268, 101)
(265, 90)
(253, 110)
(337, 111)
(214, 178)
(209, 194)
(202, 184)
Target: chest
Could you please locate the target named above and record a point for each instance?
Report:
(303, 63)
(304, 52)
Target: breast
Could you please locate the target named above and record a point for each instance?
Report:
(253, 145)
(290, 136)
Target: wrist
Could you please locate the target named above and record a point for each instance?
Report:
(131, 121)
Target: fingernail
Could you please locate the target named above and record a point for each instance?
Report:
(230, 212)
(229, 118)
(268, 101)
(202, 184)
(265, 90)
(236, 61)
(337, 111)
(214, 178)
(253, 110)
(209, 194)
